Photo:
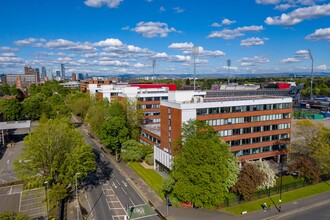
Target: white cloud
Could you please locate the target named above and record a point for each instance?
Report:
(139, 65)
(283, 7)
(178, 10)
(216, 24)
(246, 61)
(90, 55)
(10, 60)
(126, 28)
(100, 3)
(320, 34)
(162, 9)
(27, 41)
(267, 2)
(226, 21)
(9, 49)
(68, 45)
(180, 58)
(289, 60)
(181, 46)
(108, 42)
(302, 54)
(153, 29)
(7, 55)
(161, 55)
(322, 67)
(111, 63)
(253, 41)
(228, 34)
(299, 15)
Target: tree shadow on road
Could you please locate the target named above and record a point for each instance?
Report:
(99, 176)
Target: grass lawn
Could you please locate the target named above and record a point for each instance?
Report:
(287, 180)
(151, 177)
(286, 197)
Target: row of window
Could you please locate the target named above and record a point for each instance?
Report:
(148, 99)
(151, 113)
(225, 121)
(259, 150)
(149, 137)
(249, 108)
(249, 130)
(255, 140)
(149, 106)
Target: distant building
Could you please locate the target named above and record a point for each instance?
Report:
(43, 72)
(28, 70)
(58, 73)
(62, 71)
(80, 76)
(74, 77)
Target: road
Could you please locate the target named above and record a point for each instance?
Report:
(109, 193)
(321, 212)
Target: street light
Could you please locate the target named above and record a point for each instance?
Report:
(77, 194)
(280, 200)
(47, 191)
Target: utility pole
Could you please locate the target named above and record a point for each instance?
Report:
(280, 200)
(153, 66)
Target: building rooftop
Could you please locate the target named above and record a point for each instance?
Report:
(153, 128)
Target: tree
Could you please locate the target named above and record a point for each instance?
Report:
(11, 109)
(306, 167)
(114, 133)
(54, 152)
(97, 114)
(9, 215)
(134, 116)
(79, 103)
(313, 140)
(204, 168)
(167, 185)
(269, 175)
(249, 179)
(131, 151)
(33, 106)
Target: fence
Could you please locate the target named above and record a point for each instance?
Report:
(235, 200)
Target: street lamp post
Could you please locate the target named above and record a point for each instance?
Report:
(77, 195)
(47, 191)
(280, 200)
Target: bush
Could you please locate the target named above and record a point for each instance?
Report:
(149, 159)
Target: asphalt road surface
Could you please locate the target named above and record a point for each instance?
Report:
(321, 212)
(109, 194)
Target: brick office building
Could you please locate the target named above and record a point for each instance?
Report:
(255, 127)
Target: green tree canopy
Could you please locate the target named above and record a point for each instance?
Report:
(33, 106)
(11, 109)
(204, 168)
(79, 103)
(8, 215)
(131, 151)
(97, 114)
(54, 152)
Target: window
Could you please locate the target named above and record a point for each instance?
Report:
(265, 138)
(236, 131)
(246, 141)
(266, 149)
(246, 130)
(257, 129)
(256, 140)
(267, 128)
(247, 119)
(274, 127)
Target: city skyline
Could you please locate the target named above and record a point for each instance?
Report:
(111, 37)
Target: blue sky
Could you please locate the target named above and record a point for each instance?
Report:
(110, 37)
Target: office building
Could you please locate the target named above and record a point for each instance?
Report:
(74, 77)
(43, 72)
(62, 71)
(255, 127)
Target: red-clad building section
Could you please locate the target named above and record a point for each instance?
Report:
(171, 87)
(283, 85)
